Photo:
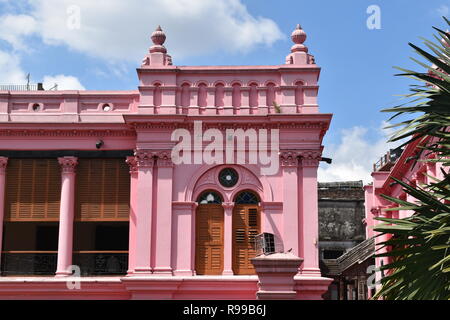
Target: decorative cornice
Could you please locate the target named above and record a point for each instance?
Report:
(67, 133)
(225, 126)
(132, 162)
(3, 164)
(144, 158)
(68, 164)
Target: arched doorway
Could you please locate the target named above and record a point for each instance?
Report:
(246, 225)
(209, 235)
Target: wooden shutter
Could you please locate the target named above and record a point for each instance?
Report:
(103, 190)
(246, 225)
(209, 239)
(33, 190)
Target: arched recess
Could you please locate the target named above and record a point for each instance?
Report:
(185, 95)
(157, 95)
(299, 94)
(246, 225)
(207, 177)
(202, 95)
(209, 234)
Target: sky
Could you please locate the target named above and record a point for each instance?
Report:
(97, 45)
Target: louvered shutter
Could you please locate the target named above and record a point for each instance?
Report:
(33, 190)
(209, 239)
(246, 225)
(102, 190)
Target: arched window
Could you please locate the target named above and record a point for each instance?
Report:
(247, 197)
(209, 197)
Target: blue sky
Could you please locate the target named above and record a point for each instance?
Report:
(357, 63)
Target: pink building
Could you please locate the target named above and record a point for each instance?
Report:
(405, 165)
(91, 184)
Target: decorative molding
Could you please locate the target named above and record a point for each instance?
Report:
(179, 205)
(132, 162)
(289, 158)
(144, 158)
(3, 164)
(67, 133)
(164, 159)
(68, 164)
(228, 205)
(272, 206)
(310, 158)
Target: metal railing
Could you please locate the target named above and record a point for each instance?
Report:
(22, 87)
(27, 263)
(386, 162)
(96, 263)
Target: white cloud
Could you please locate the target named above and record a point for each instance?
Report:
(14, 28)
(64, 82)
(354, 156)
(120, 30)
(10, 70)
(11, 73)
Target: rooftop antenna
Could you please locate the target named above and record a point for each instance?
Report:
(28, 81)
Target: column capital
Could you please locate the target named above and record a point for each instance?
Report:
(68, 164)
(228, 205)
(132, 162)
(289, 158)
(310, 158)
(379, 211)
(144, 158)
(164, 159)
(3, 164)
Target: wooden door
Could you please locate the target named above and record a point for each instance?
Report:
(246, 225)
(209, 239)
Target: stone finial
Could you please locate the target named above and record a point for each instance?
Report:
(158, 37)
(298, 37)
(158, 53)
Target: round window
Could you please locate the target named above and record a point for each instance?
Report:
(228, 177)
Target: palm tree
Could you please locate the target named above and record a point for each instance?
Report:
(419, 245)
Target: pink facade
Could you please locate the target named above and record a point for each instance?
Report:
(404, 169)
(164, 194)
